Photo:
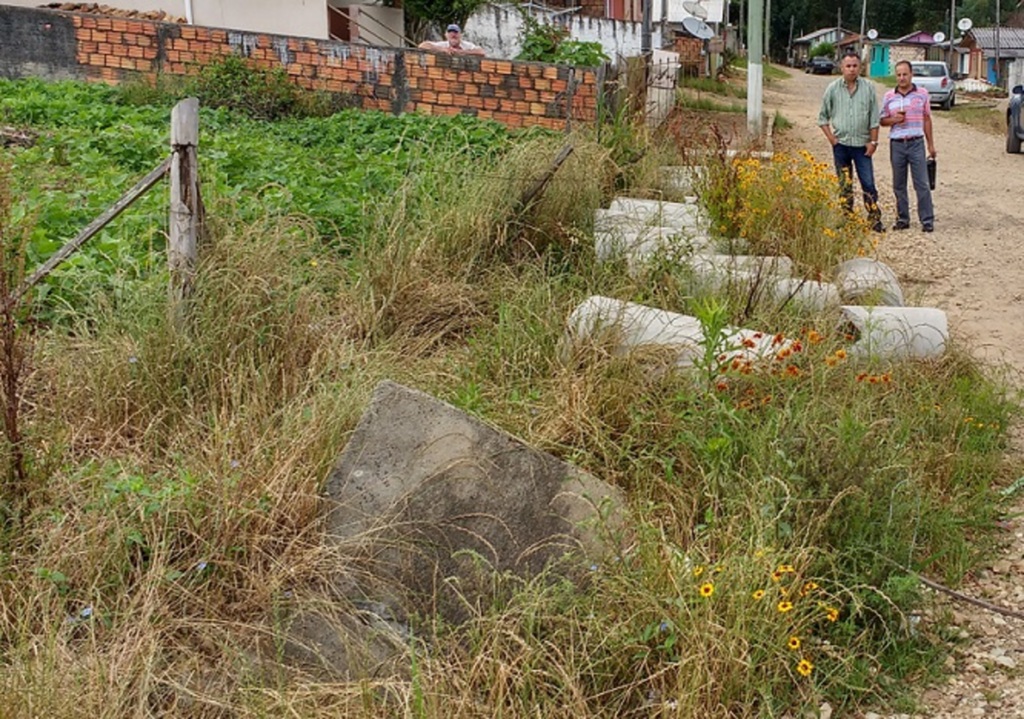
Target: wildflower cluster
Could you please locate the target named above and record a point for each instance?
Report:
(788, 206)
(788, 608)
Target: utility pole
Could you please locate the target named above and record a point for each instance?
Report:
(767, 29)
(739, 33)
(789, 45)
(755, 71)
(952, 24)
(863, 28)
(999, 80)
(645, 28)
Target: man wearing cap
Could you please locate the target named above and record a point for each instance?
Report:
(453, 45)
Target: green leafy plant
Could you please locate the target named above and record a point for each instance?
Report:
(547, 42)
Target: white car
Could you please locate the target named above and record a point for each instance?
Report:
(934, 77)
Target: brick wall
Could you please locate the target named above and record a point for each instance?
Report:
(59, 45)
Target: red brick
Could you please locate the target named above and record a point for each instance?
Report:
(120, 26)
(121, 50)
(188, 32)
(104, 23)
(138, 27)
(135, 52)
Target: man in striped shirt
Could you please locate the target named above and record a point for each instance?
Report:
(907, 113)
(849, 119)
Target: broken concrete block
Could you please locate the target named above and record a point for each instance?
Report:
(434, 505)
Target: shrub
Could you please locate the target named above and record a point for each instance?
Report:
(545, 42)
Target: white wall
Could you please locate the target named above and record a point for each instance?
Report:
(305, 18)
(497, 30)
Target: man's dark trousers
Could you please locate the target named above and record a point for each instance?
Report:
(848, 157)
(904, 154)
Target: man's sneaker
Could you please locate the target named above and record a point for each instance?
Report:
(901, 225)
(878, 226)
(927, 228)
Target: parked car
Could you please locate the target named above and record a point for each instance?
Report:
(934, 77)
(1015, 120)
(820, 65)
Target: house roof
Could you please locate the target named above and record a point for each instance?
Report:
(1011, 40)
(918, 37)
(811, 37)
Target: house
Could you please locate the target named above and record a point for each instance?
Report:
(881, 55)
(348, 20)
(800, 49)
(981, 44)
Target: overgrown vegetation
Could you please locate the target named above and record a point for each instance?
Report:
(777, 513)
(547, 42)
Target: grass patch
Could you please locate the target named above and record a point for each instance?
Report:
(777, 510)
(713, 86)
(706, 104)
(981, 116)
(772, 73)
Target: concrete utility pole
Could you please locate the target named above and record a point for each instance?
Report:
(952, 24)
(755, 70)
(863, 28)
(768, 29)
(645, 28)
(999, 80)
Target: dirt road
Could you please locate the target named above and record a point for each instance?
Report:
(972, 267)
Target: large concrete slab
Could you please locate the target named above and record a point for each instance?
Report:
(432, 505)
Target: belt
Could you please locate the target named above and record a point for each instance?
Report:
(906, 139)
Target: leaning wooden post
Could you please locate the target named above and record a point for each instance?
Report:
(186, 206)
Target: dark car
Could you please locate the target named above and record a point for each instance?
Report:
(1015, 120)
(820, 65)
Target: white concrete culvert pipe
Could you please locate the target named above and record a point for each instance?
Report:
(866, 281)
(643, 244)
(656, 212)
(895, 332)
(631, 325)
(806, 294)
(682, 178)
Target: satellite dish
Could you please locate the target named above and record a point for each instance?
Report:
(872, 34)
(698, 28)
(939, 36)
(695, 9)
(965, 24)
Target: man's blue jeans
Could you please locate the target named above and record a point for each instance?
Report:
(847, 158)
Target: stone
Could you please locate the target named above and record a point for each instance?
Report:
(432, 508)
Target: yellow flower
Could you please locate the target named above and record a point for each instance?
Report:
(786, 569)
(805, 668)
(841, 354)
(313, 263)
(776, 575)
(793, 643)
(698, 570)
(832, 614)
(707, 589)
(785, 606)
(758, 594)
(807, 588)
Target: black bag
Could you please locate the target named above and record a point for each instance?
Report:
(931, 172)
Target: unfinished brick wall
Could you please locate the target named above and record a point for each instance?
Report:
(108, 49)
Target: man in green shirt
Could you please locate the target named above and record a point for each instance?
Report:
(849, 117)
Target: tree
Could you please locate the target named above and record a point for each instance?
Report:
(440, 13)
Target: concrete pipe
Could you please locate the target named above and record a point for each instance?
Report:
(656, 212)
(864, 281)
(807, 294)
(633, 325)
(895, 332)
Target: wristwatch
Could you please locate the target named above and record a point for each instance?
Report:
(873, 142)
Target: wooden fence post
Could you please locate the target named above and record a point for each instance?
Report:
(186, 206)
